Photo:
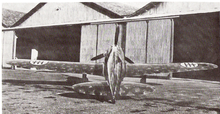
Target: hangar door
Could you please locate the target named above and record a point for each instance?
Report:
(88, 43)
(150, 41)
(143, 41)
(160, 41)
(96, 39)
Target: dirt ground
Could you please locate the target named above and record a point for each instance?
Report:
(27, 92)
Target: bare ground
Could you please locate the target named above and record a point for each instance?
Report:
(41, 92)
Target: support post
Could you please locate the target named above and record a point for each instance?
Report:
(34, 55)
(13, 67)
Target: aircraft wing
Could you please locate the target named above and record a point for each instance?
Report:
(133, 70)
(60, 66)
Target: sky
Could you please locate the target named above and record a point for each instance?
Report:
(26, 7)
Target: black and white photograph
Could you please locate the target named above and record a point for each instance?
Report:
(148, 57)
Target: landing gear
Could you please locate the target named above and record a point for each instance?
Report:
(84, 78)
(143, 80)
(74, 80)
(113, 101)
(13, 67)
(170, 75)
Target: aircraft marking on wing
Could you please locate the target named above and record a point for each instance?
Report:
(189, 65)
(37, 62)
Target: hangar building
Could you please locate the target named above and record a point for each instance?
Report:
(159, 32)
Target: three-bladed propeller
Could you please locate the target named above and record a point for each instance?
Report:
(115, 43)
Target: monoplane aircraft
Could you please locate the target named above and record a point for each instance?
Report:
(114, 69)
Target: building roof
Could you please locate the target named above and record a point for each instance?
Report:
(145, 8)
(111, 9)
(10, 17)
(118, 8)
(31, 12)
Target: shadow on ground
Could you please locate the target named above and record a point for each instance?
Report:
(86, 96)
(210, 75)
(22, 82)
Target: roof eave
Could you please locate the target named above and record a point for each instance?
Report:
(26, 16)
(102, 10)
(4, 25)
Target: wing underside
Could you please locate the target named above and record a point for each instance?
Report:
(133, 70)
(60, 66)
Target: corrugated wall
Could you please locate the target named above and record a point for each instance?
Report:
(159, 47)
(106, 33)
(97, 39)
(136, 41)
(88, 43)
(149, 42)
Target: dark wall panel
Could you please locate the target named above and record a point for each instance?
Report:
(196, 38)
(58, 43)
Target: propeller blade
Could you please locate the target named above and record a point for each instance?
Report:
(98, 57)
(129, 60)
(116, 34)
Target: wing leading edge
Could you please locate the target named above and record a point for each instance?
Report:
(60, 66)
(133, 70)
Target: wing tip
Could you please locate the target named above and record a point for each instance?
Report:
(210, 65)
(199, 64)
(215, 66)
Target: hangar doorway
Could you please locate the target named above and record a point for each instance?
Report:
(196, 38)
(60, 43)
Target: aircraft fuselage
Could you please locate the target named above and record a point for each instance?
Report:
(115, 70)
